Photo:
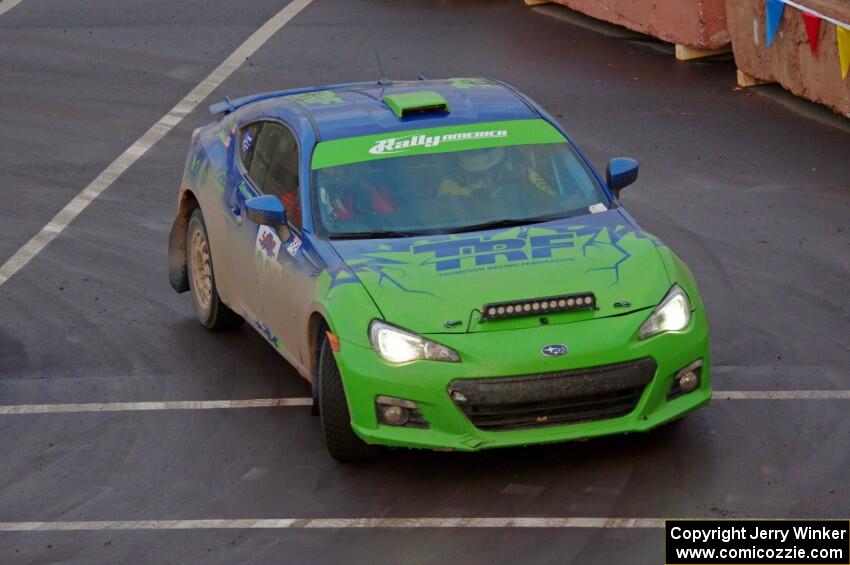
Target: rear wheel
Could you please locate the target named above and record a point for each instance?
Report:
(211, 311)
(342, 443)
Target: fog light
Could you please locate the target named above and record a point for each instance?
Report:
(395, 415)
(686, 380)
(399, 412)
(689, 381)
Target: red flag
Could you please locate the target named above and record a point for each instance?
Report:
(813, 31)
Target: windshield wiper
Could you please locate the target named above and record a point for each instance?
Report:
(508, 223)
(377, 234)
(494, 224)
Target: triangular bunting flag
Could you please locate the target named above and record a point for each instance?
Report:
(843, 49)
(812, 31)
(774, 9)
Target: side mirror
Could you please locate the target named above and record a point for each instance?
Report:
(266, 210)
(621, 172)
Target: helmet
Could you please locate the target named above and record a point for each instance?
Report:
(481, 160)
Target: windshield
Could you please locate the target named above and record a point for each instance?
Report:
(452, 191)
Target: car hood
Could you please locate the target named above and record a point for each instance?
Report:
(438, 284)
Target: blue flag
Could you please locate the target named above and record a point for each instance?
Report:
(774, 9)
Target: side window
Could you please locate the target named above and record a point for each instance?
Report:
(265, 145)
(271, 160)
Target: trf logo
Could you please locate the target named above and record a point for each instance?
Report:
(478, 251)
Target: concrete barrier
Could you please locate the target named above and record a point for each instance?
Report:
(789, 61)
(692, 24)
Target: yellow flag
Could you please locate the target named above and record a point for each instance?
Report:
(843, 49)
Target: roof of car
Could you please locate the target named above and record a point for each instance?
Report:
(339, 111)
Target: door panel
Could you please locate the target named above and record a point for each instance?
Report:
(241, 234)
(270, 163)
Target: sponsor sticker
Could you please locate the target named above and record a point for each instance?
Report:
(467, 83)
(448, 139)
(267, 332)
(243, 188)
(268, 243)
(293, 245)
(408, 142)
(321, 97)
(597, 208)
(226, 131)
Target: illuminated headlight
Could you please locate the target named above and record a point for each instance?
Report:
(399, 346)
(673, 314)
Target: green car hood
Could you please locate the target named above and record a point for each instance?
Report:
(438, 284)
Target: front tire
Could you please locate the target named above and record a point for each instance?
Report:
(342, 443)
(211, 311)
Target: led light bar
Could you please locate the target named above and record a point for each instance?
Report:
(538, 306)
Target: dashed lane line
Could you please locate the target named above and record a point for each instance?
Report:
(290, 402)
(141, 146)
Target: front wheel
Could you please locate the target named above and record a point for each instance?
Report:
(212, 312)
(342, 443)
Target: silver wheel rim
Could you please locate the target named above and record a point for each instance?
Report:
(201, 269)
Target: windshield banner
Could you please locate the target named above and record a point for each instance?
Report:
(433, 140)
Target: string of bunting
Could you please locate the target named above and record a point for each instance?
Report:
(812, 19)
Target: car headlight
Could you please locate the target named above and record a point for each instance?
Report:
(399, 346)
(673, 314)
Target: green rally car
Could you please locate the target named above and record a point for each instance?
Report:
(441, 262)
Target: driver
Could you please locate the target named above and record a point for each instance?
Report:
(481, 175)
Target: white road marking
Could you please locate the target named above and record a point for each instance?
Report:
(142, 406)
(141, 146)
(6, 5)
(335, 523)
(301, 401)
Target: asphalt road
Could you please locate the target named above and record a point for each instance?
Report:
(752, 192)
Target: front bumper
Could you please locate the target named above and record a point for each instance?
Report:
(509, 353)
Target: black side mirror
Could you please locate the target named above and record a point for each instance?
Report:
(621, 172)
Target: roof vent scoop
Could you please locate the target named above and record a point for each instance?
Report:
(415, 103)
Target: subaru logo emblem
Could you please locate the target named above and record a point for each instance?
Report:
(554, 350)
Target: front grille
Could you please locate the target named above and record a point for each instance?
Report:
(551, 399)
